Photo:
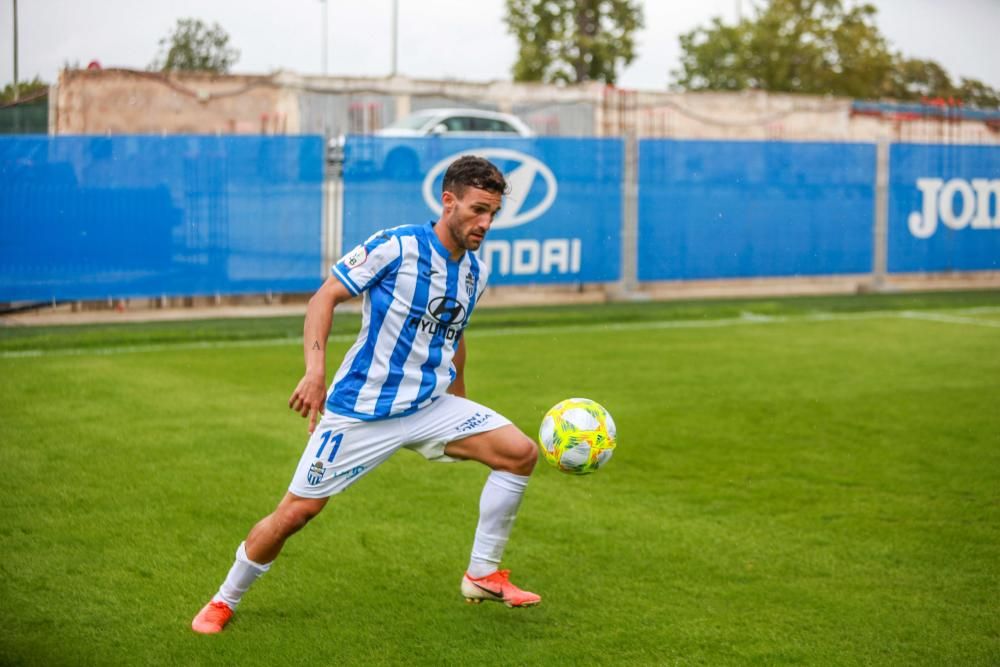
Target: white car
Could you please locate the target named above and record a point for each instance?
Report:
(458, 122)
(401, 159)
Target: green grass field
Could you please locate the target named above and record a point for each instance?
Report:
(801, 481)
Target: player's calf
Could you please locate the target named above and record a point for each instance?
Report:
(267, 538)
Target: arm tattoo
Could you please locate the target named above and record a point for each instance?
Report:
(316, 345)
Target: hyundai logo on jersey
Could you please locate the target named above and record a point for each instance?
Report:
(446, 310)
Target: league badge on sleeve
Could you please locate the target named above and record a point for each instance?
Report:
(355, 258)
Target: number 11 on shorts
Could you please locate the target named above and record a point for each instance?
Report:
(336, 445)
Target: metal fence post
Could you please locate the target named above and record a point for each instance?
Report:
(628, 286)
(333, 191)
(881, 230)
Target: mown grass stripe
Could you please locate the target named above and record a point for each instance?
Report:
(948, 319)
(746, 318)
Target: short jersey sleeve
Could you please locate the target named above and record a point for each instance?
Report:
(368, 263)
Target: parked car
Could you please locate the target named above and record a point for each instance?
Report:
(399, 159)
(455, 122)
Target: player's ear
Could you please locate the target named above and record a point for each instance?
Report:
(448, 199)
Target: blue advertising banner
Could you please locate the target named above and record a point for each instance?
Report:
(742, 209)
(560, 223)
(122, 216)
(944, 208)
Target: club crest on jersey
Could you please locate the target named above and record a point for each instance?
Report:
(470, 285)
(315, 473)
(355, 258)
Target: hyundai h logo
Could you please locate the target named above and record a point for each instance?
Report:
(528, 177)
(446, 310)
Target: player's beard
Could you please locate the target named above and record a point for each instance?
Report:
(473, 240)
(467, 240)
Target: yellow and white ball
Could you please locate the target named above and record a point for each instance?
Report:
(578, 436)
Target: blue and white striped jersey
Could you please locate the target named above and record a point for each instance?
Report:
(417, 302)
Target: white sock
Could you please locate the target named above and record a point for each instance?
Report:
(498, 505)
(243, 573)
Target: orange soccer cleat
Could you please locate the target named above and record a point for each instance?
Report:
(497, 587)
(212, 618)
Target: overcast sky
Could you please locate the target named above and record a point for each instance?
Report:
(463, 39)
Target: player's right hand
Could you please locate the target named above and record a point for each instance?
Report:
(308, 399)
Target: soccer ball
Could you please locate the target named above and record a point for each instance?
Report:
(577, 436)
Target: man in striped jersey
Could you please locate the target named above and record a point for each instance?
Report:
(401, 385)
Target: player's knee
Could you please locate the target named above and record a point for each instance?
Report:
(295, 516)
(524, 456)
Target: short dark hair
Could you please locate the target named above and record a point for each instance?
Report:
(476, 172)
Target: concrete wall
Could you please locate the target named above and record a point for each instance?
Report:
(125, 101)
(759, 115)
(133, 102)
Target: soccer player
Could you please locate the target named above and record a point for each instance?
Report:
(400, 385)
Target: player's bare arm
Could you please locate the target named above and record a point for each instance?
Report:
(310, 394)
(458, 384)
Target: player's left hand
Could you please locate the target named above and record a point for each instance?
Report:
(308, 399)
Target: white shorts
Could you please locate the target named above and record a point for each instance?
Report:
(343, 449)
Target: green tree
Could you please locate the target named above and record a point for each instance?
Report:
(913, 79)
(805, 46)
(977, 94)
(824, 47)
(195, 46)
(573, 41)
(25, 89)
